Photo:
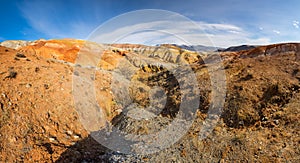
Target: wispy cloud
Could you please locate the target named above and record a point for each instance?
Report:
(276, 31)
(296, 24)
(226, 23)
(179, 32)
(45, 17)
(49, 21)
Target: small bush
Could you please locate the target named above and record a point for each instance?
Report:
(12, 74)
(20, 55)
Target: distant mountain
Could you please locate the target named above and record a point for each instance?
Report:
(201, 48)
(237, 48)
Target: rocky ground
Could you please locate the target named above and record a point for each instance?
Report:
(39, 121)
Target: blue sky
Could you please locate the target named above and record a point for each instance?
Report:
(228, 22)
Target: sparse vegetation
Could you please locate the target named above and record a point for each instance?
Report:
(39, 121)
(20, 55)
(11, 73)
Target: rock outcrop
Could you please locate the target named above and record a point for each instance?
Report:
(56, 49)
(15, 44)
(288, 48)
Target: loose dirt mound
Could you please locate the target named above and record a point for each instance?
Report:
(39, 123)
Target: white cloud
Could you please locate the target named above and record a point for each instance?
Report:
(225, 27)
(296, 24)
(179, 32)
(276, 31)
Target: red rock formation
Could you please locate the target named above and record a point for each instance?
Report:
(66, 49)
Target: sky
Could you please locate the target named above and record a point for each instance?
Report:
(223, 22)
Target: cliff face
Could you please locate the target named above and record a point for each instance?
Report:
(39, 121)
(293, 48)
